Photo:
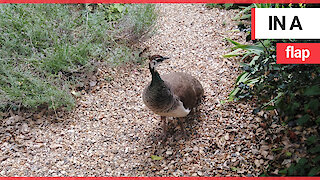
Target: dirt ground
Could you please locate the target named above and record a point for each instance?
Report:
(112, 133)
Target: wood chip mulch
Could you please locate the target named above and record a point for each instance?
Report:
(112, 133)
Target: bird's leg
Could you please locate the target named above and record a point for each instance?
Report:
(164, 128)
(183, 130)
(191, 114)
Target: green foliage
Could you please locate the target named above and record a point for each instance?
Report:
(292, 90)
(304, 167)
(44, 47)
(312, 91)
(139, 19)
(22, 88)
(115, 11)
(245, 13)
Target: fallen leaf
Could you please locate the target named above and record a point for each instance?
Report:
(292, 135)
(157, 158)
(76, 94)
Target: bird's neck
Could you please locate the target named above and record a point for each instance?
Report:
(156, 79)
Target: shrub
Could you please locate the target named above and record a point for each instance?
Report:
(44, 47)
(292, 90)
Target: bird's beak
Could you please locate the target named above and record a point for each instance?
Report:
(164, 58)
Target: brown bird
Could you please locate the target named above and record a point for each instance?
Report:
(173, 95)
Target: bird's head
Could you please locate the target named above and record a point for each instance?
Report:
(155, 60)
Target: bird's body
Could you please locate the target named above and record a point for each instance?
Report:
(171, 95)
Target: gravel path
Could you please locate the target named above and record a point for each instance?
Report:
(112, 133)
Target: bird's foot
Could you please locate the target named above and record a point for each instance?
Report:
(163, 138)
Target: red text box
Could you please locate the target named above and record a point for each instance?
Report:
(298, 53)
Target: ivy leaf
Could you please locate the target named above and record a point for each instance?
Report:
(314, 171)
(312, 91)
(303, 120)
(312, 105)
(315, 160)
(302, 161)
(315, 149)
(291, 170)
(283, 172)
(269, 108)
(318, 121)
(312, 140)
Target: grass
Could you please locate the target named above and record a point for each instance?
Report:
(44, 48)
